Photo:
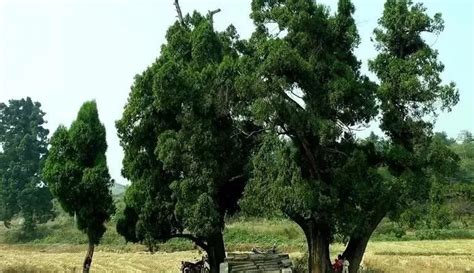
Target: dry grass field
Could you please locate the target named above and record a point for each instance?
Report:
(63, 258)
(403, 257)
(420, 256)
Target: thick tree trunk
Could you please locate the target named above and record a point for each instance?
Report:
(215, 251)
(355, 252)
(88, 259)
(355, 249)
(318, 240)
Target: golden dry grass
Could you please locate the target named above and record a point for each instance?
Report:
(421, 256)
(69, 259)
(392, 257)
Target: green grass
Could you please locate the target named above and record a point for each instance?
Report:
(244, 234)
(240, 234)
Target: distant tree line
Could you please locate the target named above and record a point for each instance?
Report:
(23, 149)
(450, 199)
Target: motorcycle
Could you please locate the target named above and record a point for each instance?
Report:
(201, 266)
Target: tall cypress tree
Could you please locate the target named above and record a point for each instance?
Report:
(309, 94)
(186, 150)
(23, 147)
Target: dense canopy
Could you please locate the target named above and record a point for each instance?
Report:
(185, 153)
(23, 148)
(310, 96)
(293, 100)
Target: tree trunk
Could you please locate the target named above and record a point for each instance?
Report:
(215, 251)
(318, 239)
(88, 259)
(355, 249)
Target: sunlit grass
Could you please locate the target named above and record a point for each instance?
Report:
(60, 247)
(396, 257)
(69, 259)
(421, 256)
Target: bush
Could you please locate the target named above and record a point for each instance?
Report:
(443, 234)
(300, 264)
(427, 234)
(387, 229)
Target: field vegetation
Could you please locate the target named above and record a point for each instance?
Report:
(402, 257)
(241, 234)
(59, 246)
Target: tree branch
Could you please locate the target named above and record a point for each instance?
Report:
(248, 134)
(309, 155)
(7, 224)
(178, 10)
(253, 132)
(211, 14)
(337, 151)
(197, 240)
(298, 219)
(232, 179)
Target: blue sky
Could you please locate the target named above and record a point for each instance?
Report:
(64, 52)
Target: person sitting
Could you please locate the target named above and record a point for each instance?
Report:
(337, 266)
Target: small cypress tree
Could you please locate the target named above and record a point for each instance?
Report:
(77, 174)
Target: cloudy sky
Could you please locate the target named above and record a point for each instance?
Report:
(64, 52)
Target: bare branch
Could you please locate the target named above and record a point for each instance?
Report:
(178, 10)
(232, 179)
(248, 134)
(337, 152)
(211, 14)
(253, 132)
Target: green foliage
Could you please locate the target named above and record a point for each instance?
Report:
(240, 234)
(450, 198)
(300, 264)
(465, 151)
(263, 232)
(23, 147)
(409, 71)
(77, 174)
(186, 148)
(308, 94)
(308, 88)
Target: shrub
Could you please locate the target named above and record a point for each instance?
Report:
(300, 264)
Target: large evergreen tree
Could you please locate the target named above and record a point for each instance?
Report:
(77, 174)
(184, 152)
(309, 94)
(23, 146)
